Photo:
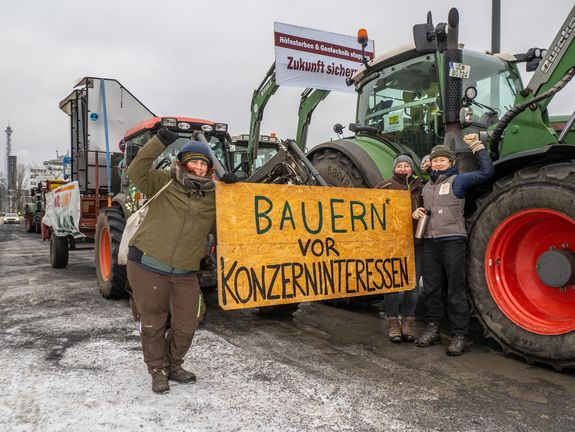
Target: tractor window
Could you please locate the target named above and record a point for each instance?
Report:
(497, 84)
(402, 103)
(219, 149)
(237, 151)
(173, 149)
(217, 145)
(171, 153)
(265, 153)
(132, 146)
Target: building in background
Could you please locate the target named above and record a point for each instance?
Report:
(12, 172)
(51, 169)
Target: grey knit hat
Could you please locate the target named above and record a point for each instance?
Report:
(403, 158)
(441, 150)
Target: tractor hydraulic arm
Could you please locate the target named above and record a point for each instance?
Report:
(288, 166)
(555, 70)
(517, 109)
(559, 59)
(260, 98)
(310, 99)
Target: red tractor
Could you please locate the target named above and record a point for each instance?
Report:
(127, 199)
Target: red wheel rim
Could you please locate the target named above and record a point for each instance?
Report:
(511, 274)
(104, 254)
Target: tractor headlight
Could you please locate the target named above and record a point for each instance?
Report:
(184, 125)
(470, 92)
(169, 122)
(221, 127)
(207, 128)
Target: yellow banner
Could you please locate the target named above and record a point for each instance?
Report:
(282, 244)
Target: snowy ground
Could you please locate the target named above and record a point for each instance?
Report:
(72, 362)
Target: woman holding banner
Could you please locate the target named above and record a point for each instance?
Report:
(165, 254)
(404, 328)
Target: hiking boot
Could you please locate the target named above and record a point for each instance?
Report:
(408, 329)
(430, 336)
(160, 381)
(457, 346)
(182, 376)
(394, 329)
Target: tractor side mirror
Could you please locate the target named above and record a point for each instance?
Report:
(532, 58)
(424, 36)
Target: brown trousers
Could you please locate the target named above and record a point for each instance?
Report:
(161, 298)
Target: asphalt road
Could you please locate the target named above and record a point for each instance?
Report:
(72, 362)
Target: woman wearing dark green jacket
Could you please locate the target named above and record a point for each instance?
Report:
(165, 254)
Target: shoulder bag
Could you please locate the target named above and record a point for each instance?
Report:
(132, 225)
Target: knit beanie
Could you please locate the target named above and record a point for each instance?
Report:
(195, 150)
(403, 158)
(441, 150)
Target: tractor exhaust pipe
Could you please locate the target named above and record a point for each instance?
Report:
(453, 97)
(495, 26)
(453, 85)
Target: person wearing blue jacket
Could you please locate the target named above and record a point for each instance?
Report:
(445, 242)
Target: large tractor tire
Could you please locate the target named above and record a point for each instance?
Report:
(112, 278)
(337, 169)
(37, 222)
(521, 245)
(58, 251)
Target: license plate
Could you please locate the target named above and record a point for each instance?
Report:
(459, 70)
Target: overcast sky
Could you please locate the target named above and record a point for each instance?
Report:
(204, 58)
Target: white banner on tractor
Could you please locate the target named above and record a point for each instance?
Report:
(316, 59)
(63, 210)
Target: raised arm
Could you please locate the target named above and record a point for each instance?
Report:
(465, 181)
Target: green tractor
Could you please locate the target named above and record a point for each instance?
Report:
(34, 210)
(521, 225)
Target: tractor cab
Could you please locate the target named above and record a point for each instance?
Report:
(215, 134)
(268, 147)
(400, 95)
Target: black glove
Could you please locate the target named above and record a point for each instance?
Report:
(167, 136)
(229, 177)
